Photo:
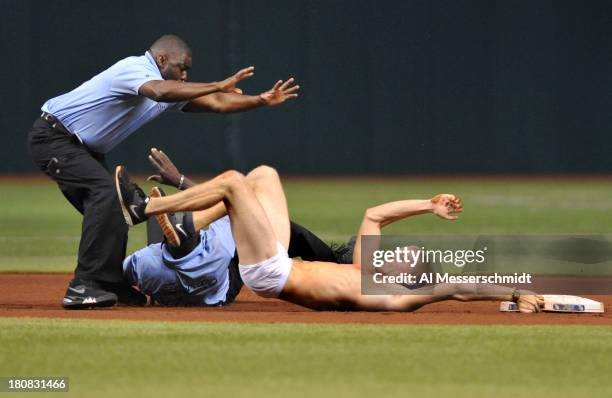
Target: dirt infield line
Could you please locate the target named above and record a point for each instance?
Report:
(39, 295)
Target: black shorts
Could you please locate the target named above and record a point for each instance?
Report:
(235, 281)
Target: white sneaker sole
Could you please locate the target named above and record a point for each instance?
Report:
(164, 222)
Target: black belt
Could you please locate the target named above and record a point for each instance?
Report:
(57, 125)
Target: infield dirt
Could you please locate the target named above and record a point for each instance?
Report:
(39, 295)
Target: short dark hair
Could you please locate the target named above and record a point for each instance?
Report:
(170, 42)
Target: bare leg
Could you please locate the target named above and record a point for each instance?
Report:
(203, 218)
(199, 197)
(254, 236)
(265, 183)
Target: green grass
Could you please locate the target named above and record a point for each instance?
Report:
(39, 230)
(110, 358)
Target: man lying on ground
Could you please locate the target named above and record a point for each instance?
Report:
(259, 222)
(203, 269)
(303, 242)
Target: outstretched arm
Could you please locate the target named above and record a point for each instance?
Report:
(443, 205)
(230, 102)
(176, 91)
(527, 301)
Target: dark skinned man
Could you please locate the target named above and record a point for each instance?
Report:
(68, 142)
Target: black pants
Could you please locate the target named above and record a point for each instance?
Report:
(83, 178)
(303, 243)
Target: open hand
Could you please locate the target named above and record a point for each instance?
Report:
(446, 206)
(167, 173)
(229, 85)
(280, 93)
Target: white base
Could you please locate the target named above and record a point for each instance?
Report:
(560, 303)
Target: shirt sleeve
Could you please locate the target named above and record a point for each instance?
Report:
(178, 106)
(146, 270)
(131, 76)
(130, 273)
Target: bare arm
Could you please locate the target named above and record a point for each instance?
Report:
(176, 91)
(443, 205)
(223, 103)
(230, 102)
(527, 301)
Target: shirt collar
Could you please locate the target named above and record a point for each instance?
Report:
(150, 58)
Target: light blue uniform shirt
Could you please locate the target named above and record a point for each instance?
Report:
(106, 109)
(199, 278)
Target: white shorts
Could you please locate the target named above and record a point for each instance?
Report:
(268, 278)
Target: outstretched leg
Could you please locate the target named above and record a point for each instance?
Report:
(266, 185)
(263, 182)
(255, 234)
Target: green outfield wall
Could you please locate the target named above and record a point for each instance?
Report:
(388, 87)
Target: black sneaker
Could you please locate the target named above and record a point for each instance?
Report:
(344, 252)
(86, 294)
(126, 294)
(132, 199)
